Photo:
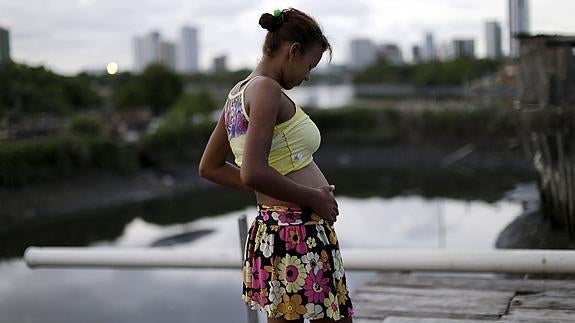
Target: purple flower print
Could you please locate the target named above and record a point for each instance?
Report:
(259, 275)
(294, 236)
(316, 286)
(265, 215)
(260, 299)
(236, 123)
(289, 217)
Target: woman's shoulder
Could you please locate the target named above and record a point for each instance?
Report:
(263, 88)
(264, 83)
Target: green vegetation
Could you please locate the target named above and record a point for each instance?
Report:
(226, 78)
(90, 125)
(492, 126)
(35, 89)
(157, 88)
(88, 141)
(36, 160)
(454, 72)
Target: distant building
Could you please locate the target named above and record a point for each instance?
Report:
(445, 51)
(168, 55)
(518, 23)
(363, 53)
(220, 64)
(151, 49)
(188, 51)
(391, 53)
(493, 40)
(429, 50)
(4, 45)
(463, 48)
(416, 54)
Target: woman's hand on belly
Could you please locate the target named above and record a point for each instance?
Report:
(326, 206)
(311, 176)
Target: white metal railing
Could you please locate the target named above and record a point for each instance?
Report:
(509, 261)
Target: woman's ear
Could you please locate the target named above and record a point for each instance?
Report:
(295, 50)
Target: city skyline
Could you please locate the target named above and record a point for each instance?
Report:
(87, 34)
(179, 55)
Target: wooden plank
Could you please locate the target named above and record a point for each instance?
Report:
(540, 301)
(366, 311)
(433, 291)
(399, 319)
(543, 316)
(472, 307)
(500, 283)
(559, 293)
(362, 320)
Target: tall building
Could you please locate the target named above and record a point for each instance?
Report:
(493, 40)
(363, 53)
(151, 49)
(4, 45)
(391, 53)
(445, 51)
(463, 47)
(429, 51)
(167, 55)
(220, 64)
(416, 54)
(518, 23)
(188, 51)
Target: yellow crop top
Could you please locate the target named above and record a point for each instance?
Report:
(293, 143)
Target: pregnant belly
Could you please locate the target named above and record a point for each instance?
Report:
(310, 176)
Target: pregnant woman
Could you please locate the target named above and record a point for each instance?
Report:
(293, 268)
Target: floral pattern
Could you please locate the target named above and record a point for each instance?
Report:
(235, 120)
(293, 267)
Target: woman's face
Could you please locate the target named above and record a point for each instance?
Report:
(299, 64)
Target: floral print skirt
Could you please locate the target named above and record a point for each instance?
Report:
(293, 267)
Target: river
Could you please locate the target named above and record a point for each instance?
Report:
(145, 296)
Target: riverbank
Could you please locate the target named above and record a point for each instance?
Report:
(98, 190)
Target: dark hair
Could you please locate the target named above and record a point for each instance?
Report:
(293, 26)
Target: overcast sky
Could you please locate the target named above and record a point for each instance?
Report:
(71, 35)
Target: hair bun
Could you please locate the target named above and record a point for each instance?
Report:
(269, 22)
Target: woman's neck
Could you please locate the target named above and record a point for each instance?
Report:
(270, 68)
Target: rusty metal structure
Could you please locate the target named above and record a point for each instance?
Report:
(546, 108)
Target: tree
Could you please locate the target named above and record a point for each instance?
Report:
(191, 107)
(26, 89)
(161, 87)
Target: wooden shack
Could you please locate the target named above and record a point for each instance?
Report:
(546, 105)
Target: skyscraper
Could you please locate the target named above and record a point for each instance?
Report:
(188, 51)
(151, 49)
(363, 53)
(168, 55)
(220, 64)
(415, 54)
(493, 40)
(4, 45)
(463, 47)
(518, 23)
(391, 53)
(429, 51)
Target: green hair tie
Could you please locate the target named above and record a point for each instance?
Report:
(277, 13)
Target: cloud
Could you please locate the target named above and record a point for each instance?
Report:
(71, 35)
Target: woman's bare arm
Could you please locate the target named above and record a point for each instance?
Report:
(255, 172)
(213, 165)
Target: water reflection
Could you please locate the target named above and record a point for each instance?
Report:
(214, 295)
(323, 95)
(98, 226)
